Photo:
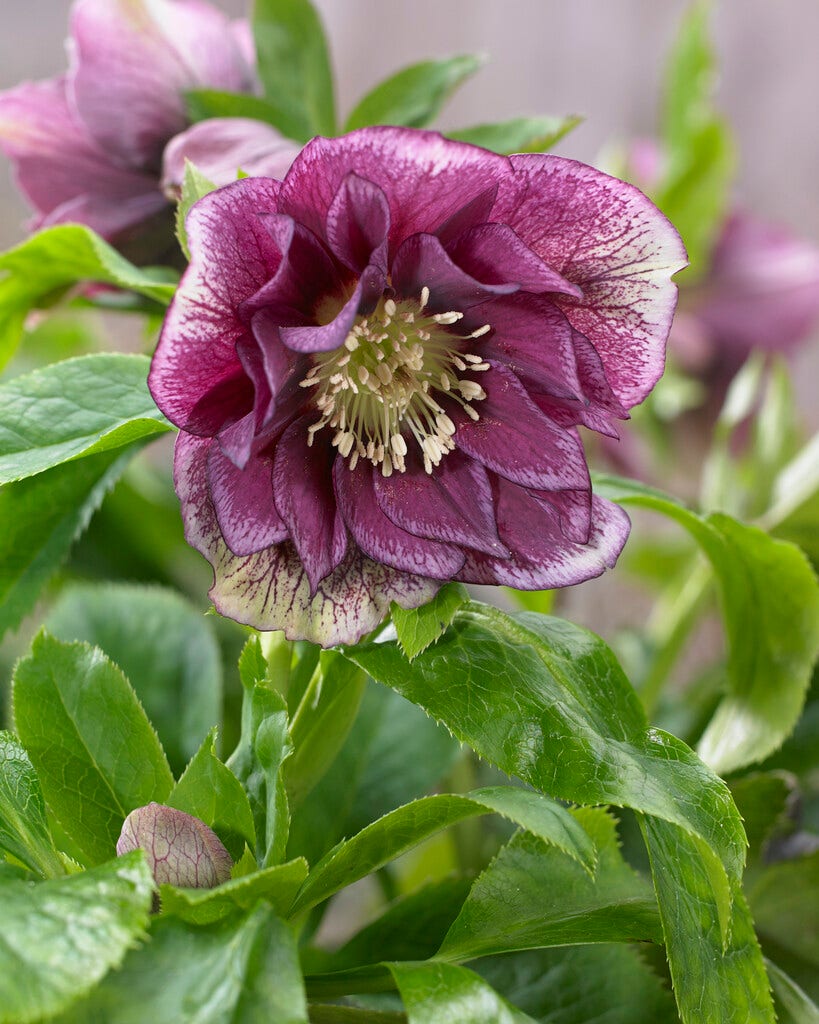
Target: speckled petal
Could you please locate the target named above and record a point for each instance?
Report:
(243, 502)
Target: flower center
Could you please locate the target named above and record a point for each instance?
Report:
(378, 390)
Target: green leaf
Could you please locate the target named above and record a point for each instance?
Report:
(204, 104)
(793, 1006)
(322, 722)
(436, 993)
(235, 971)
(582, 984)
(329, 1013)
(89, 740)
(294, 66)
(419, 627)
(718, 973)
(277, 886)
(49, 953)
(533, 895)
(165, 647)
(413, 96)
(785, 905)
(78, 407)
(520, 135)
(57, 258)
(195, 186)
(41, 518)
(211, 792)
(765, 801)
(546, 701)
(406, 826)
(24, 830)
(770, 604)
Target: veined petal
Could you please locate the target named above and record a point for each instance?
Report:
(358, 223)
(270, 589)
(609, 239)
(243, 502)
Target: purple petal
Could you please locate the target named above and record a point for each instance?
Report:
(543, 557)
(358, 222)
(513, 438)
(243, 502)
(326, 337)
(426, 178)
(379, 537)
(133, 60)
(222, 146)
(609, 239)
(270, 590)
(452, 504)
(232, 255)
(494, 254)
(574, 509)
(60, 169)
(470, 215)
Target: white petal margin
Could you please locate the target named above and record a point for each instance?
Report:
(607, 237)
(270, 589)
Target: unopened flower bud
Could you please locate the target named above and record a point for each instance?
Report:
(180, 849)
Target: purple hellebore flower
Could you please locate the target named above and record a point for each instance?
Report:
(379, 364)
(179, 848)
(87, 147)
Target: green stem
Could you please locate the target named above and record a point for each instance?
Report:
(278, 652)
(348, 983)
(310, 696)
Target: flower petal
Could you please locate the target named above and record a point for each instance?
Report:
(270, 590)
(452, 504)
(609, 239)
(379, 537)
(325, 337)
(358, 223)
(303, 491)
(243, 502)
(513, 438)
(232, 255)
(543, 558)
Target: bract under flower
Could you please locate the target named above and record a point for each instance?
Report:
(378, 367)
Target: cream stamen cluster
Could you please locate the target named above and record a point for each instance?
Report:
(377, 390)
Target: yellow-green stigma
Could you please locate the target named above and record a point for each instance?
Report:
(377, 390)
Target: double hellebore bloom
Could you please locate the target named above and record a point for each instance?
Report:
(88, 146)
(378, 367)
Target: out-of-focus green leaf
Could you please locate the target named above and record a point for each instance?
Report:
(24, 830)
(40, 518)
(413, 96)
(785, 905)
(764, 800)
(37, 270)
(78, 407)
(91, 743)
(49, 954)
(294, 66)
(437, 993)
(165, 647)
(243, 969)
(520, 135)
(793, 1006)
(204, 104)
(194, 187)
(532, 895)
(211, 792)
(419, 627)
(407, 826)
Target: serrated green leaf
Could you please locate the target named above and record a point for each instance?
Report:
(407, 826)
(53, 260)
(211, 792)
(165, 647)
(204, 104)
(277, 886)
(89, 740)
(40, 519)
(581, 985)
(793, 1006)
(195, 186)
(718, 973)
(49, 955)
(24, 831)
(78, 407)
(520, 135)
(770, 603)
(294, 66)
(436, 993)
(235, 971)
(419, 627)
(533, 895)
(413, 96)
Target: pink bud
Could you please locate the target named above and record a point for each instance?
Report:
(180, 849)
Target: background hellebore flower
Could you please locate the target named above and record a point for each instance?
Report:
(87, 147)
(180, 849)
(378, 367)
